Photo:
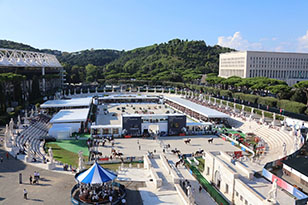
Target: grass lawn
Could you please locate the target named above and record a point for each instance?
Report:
(73, 146)
(85, 136)
(201, 164)
(115, 166)
(63, 155)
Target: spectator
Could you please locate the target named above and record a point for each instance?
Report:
(25, 194)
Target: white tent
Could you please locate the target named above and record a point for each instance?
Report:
(60, 131)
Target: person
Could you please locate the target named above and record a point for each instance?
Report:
(7, 155)
(110, 198)
(25, 194)
(1, 159)
(20, 178)
(30, 179)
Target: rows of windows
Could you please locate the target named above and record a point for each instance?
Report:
(232, 62)
(281, 74)
(232, 72)
(270, 62)
(241, 198)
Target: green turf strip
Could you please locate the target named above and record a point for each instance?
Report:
(73, 146)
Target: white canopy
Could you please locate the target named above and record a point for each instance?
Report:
(71, 115)
(205, 111)
(74, 102)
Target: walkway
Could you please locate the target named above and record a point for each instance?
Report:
(166, 194)
(200, 198)
(54, 188)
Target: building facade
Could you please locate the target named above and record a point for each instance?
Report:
(289, 67)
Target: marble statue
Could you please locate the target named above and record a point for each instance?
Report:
(272, 194)
(50, 153)
(80, 161)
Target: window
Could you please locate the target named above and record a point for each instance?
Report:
(241, 198)
(246, 202)
(227, 188)
(236, 193)
(208, 171)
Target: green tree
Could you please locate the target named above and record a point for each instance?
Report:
(303, 86)
(91, 73)
(281, 91)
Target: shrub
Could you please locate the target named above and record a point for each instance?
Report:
(226, 93)
(291, 106)
(237, 95)
(250, 98)
(270, 101)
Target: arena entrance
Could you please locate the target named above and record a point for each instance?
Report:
(153, 129)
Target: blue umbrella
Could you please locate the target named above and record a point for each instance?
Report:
(96, 175)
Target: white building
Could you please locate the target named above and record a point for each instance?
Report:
(289, 67)
(237, 182)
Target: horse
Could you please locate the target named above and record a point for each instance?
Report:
(187, 141)
(199, 152)
(119, 154)
(175, 151)
(177, 163)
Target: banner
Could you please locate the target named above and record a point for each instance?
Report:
(284, 185)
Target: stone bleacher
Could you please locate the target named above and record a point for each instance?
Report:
(272, 137)
(34, 134)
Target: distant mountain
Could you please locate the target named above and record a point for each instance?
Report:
(177, 60)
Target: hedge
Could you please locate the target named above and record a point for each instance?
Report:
(237, 95)
(292, 106)
(250, 98)
(270, 101)
(226, 93)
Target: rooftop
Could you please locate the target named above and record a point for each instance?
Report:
(73, 115)
(300, 164)
(268, 52)
(128, 96)
(205, 111)
(74, 102)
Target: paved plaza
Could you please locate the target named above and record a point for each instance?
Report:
(130, 146)
(53, 188)
(113, 116)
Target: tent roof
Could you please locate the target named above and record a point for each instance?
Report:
(74, 102)
(96, 175)
(73, 115)
(205, 111)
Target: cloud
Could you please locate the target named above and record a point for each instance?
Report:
(303, 43)
(238, 42)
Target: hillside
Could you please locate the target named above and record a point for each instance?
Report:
(176, 60)
(15, 45)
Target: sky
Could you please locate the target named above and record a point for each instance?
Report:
(73, 25)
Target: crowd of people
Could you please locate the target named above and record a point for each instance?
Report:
(92, 193)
